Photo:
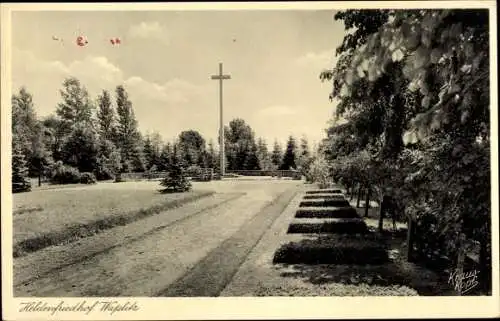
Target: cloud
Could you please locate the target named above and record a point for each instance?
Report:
(175, 91)
(44, 79)
(317, 60)
(151, 29)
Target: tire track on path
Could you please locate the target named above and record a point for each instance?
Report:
(49, 260)
(210, 275)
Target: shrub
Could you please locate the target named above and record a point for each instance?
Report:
(88, 178)
(64, 174)
(346, 212)
(340, 226)
(176, 180)
(194, 170)
(319, 252)
(104, 173)
(319, 172)
(119, 178)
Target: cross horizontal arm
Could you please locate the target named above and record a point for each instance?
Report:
(221, 77)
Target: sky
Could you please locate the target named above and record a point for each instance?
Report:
(166, 58)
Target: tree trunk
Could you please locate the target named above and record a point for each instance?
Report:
(367, 201)
(381, 215)
(410, 239)
(359, 196)
(39, 179)
(460, 263)
(352, 194)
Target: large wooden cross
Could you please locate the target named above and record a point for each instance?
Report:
(221, 77)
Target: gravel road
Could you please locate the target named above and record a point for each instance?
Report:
(193, 250)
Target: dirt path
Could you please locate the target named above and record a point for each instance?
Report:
(215, 271)
(124, 264)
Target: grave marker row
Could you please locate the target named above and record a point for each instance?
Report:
(326, 229)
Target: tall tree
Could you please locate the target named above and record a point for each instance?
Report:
(212, 156)
(252, 159)
(165, 157)
(106, 117)
(263, 155)
(240, 140)
(19, 167)
(277, 155)
(128, 136)
(426, 72)
(81, 148)
(304, 147)
(30, 133)
(76, 106)
(192, 147)
(290, 154)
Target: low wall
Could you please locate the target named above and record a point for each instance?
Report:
(278, 173)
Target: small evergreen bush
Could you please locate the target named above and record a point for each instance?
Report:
(176, 180)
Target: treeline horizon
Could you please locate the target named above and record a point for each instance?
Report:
(103, 137)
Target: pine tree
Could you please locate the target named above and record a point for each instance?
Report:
(148, 152)
(31, 134)
(176, 180)
(277, 155)
(263, 154)
(252, 159)
(20, 181)
(304, 147)
(289, 157)
(128, 136)
(106, 117)
(165, 157)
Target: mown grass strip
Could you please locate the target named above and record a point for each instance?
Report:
(77, 231)
(27, 210)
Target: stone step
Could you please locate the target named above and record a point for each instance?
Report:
(335, 225)
(330, 249)
(325, 203)
(327, 212)
(335, 196)
(324, 191)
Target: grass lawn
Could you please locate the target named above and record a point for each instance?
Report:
(51, 217)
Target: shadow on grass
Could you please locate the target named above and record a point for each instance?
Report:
(389, 274)
(372, 259)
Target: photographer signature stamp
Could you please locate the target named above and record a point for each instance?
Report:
(463, 282)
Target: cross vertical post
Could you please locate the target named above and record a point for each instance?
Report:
(221, 77)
